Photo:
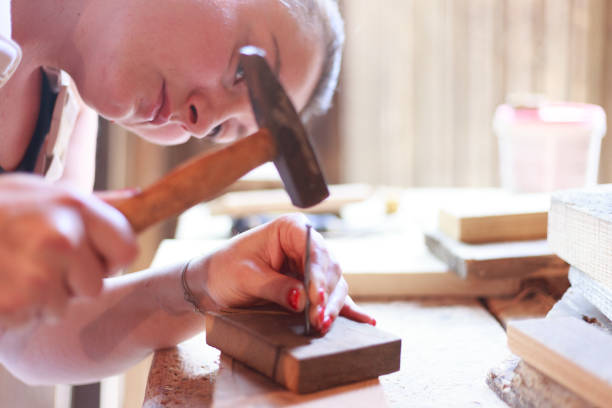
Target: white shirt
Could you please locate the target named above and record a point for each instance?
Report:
(10, 52)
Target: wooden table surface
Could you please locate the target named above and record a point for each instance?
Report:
(449, 344)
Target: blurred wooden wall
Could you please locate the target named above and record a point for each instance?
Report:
(421, 80)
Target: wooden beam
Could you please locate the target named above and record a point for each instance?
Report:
(496, 260)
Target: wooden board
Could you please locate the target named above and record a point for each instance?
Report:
(440, 338)
(597, 294)
(383, 266)
(511, 218)
(534, 300)
(275, 344)
(244, 203)
(574, 353)
(496, 260)
(580, 230)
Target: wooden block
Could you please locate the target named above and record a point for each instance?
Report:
(496, 260)
(580, 230)
(512, 218)
(244, 203)
(274, 344)
(574, 353)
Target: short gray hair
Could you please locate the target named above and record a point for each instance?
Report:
(326, 15)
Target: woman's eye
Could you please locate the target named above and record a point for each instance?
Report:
(239, 76)
(216, 130)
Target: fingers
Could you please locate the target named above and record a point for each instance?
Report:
(109, 232)
(56, 244)
(265, 283)
(352, 311)
(84, 276)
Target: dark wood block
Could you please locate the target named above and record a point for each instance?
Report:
(274, 344)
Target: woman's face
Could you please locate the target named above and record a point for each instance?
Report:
(168, 69)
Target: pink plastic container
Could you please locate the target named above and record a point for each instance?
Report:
(550, 147)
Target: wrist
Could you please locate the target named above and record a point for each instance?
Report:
(193, 278)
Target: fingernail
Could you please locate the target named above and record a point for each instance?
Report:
(373, 322)
(321, 295)
(293, 299)
(321, 315)
(326, 324)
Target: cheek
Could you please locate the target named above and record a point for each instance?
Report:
(167, 135)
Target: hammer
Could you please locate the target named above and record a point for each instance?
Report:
(281, 138)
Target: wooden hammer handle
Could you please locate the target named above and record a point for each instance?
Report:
(200, 179)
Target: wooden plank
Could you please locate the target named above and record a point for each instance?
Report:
(274, 343)
(557, 27)
(580, 230)
(598, 295)
(496, 260)
(511, 218)
(572, 352)
(440, 338)
(534, 300)
(522, 386)
(389, 266)
(244, 203)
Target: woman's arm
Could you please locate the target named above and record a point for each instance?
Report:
(134, 315)
(141, 312)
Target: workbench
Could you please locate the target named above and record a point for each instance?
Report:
(449, 344)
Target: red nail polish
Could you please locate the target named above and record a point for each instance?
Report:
(293, 299)
(321, 295)
(326, 324)
(373, 322)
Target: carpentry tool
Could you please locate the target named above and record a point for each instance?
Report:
(307, 281)
(281, 138)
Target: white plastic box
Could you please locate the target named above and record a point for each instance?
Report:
(549, 147)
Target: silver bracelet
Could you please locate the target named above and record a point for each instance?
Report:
(187, 293)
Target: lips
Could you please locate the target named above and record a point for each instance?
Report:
(162, 111)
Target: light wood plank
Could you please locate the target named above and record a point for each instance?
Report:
(580, 230)
(569, 350)
(510, 218)
(245, 203)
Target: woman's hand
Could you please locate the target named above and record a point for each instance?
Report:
(55, 244)
(266, 264)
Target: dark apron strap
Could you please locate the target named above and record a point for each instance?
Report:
(43, 124)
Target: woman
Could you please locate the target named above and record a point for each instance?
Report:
(166, 70)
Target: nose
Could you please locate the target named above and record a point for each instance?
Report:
(222, 114)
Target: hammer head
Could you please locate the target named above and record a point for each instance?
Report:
(295, 160)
